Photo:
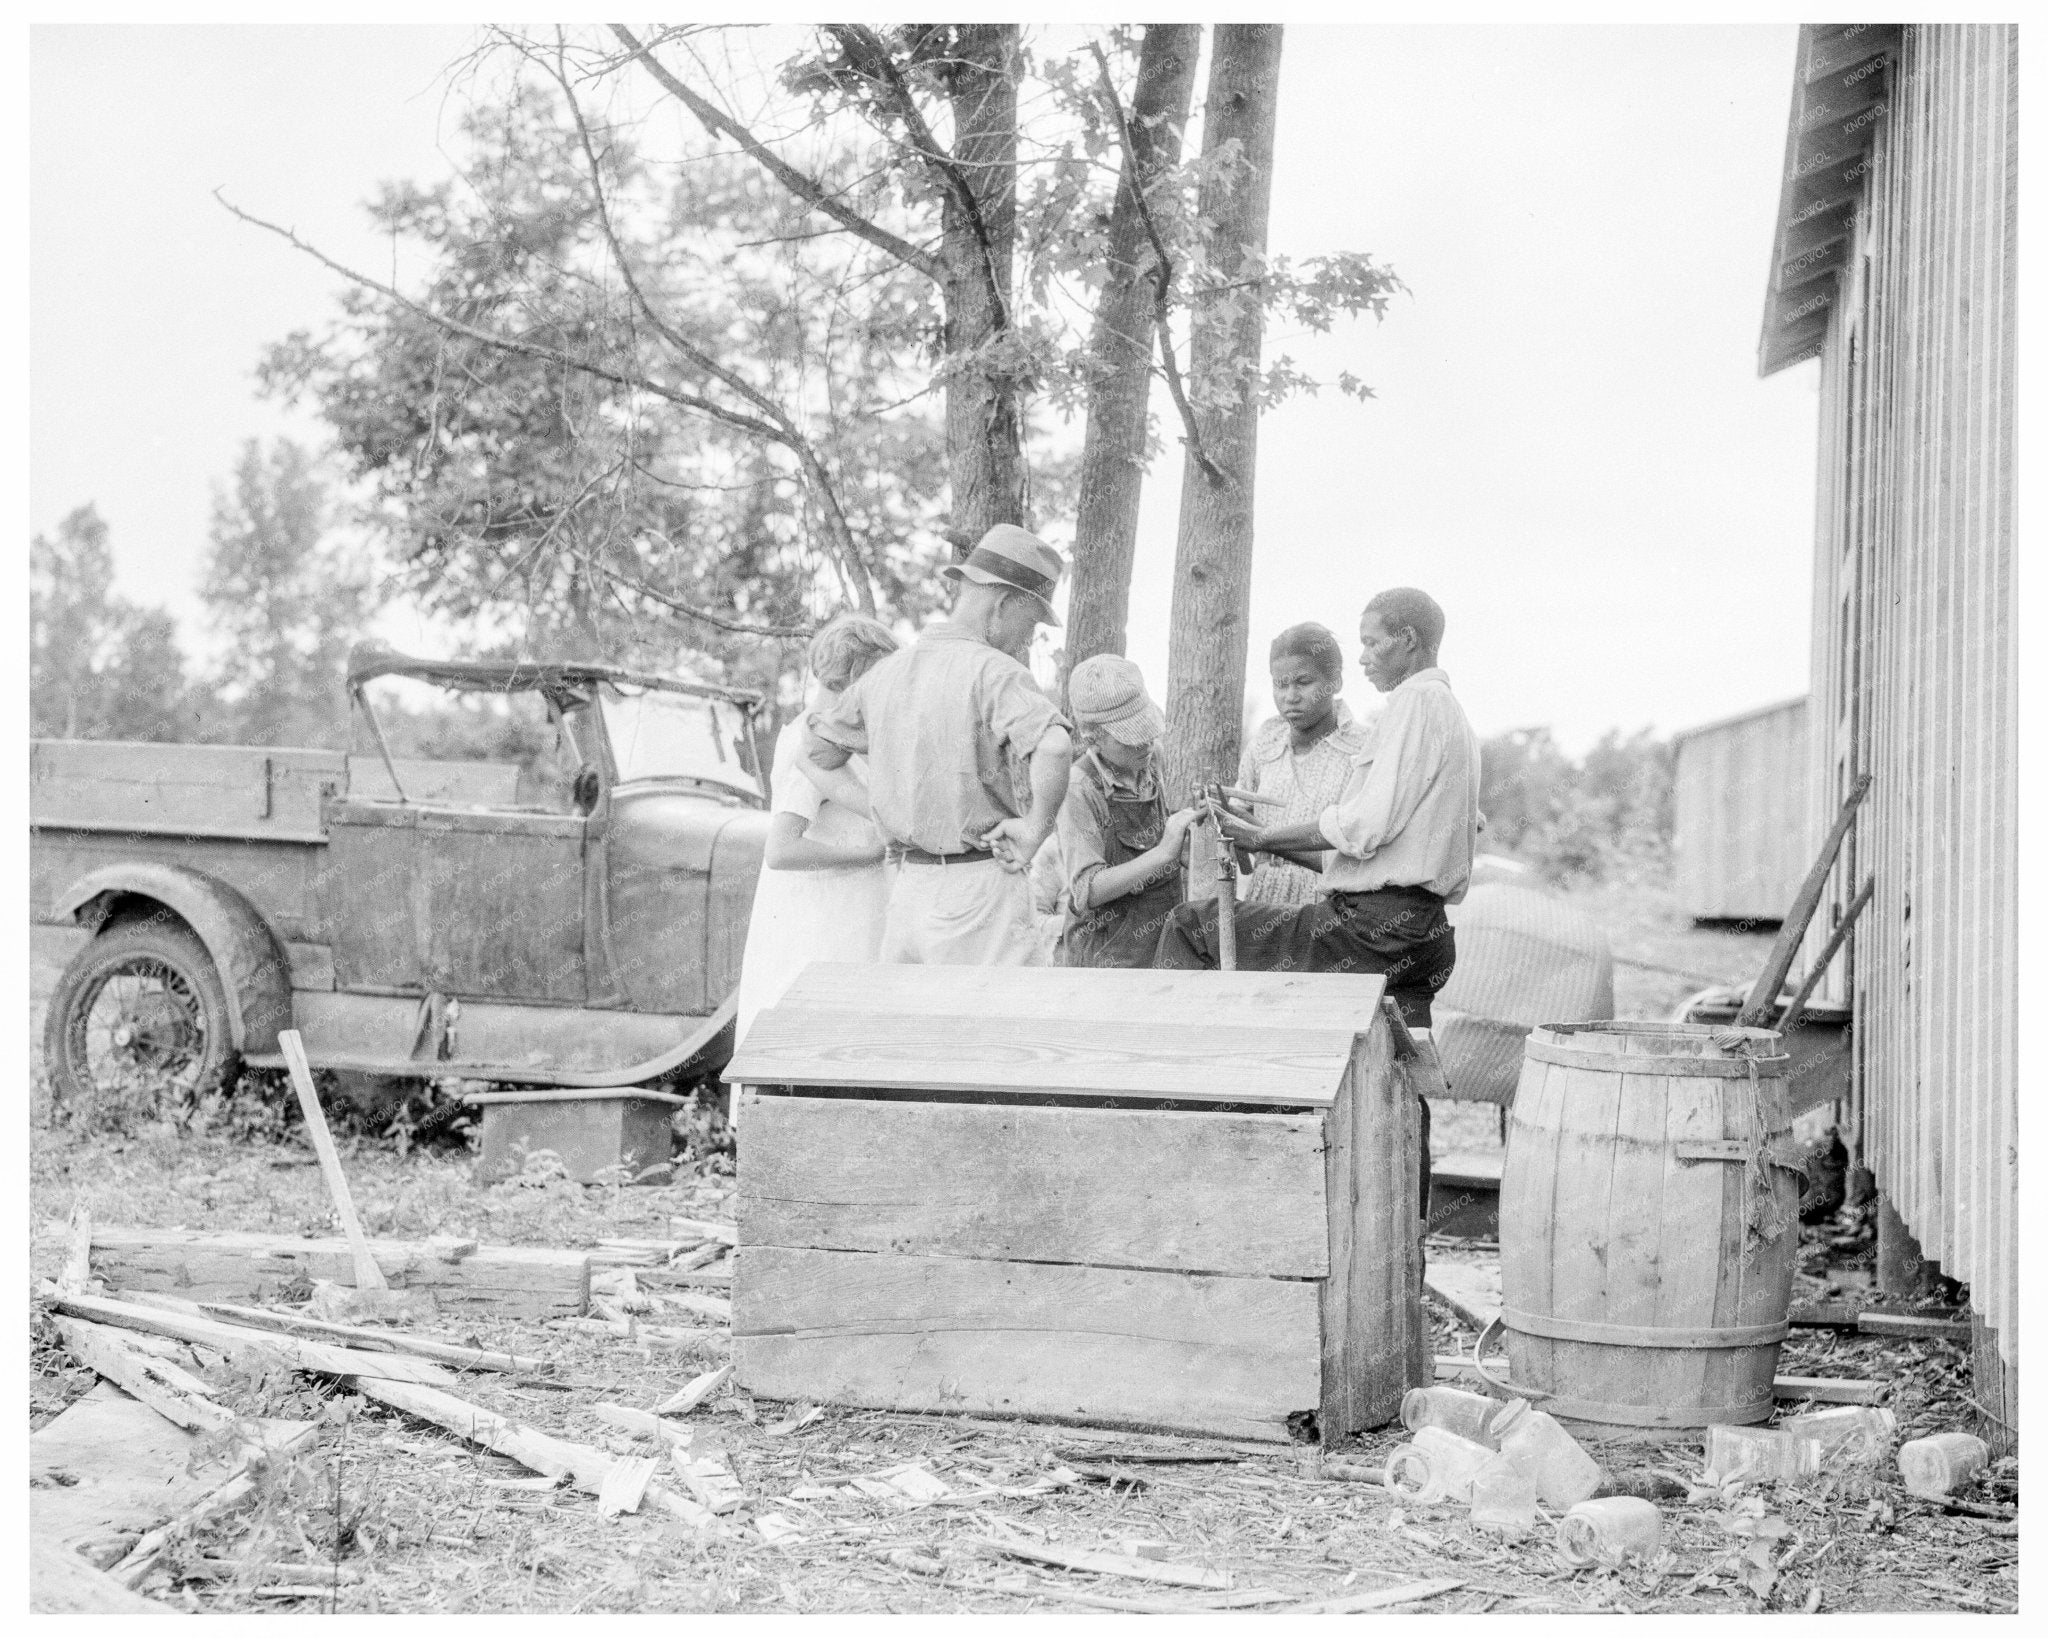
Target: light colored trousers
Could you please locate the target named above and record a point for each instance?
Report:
(962, 915)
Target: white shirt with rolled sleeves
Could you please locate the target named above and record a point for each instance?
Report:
(1409, 812)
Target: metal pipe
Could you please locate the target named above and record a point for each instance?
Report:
(1226, 882)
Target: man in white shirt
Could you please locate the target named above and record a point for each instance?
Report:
(946, 724)
(1401, 835)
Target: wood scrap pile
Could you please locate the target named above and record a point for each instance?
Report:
(166, 1315)
(169, 1350)
(555, 1468)
(154, 1345)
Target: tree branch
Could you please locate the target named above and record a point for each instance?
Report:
(738, 627)
(861, 42)
(858, 573)
(1162, 275)
(551, 355)
(806, 188)
(513, 344)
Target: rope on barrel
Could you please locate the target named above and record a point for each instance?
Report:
(1766, 1215)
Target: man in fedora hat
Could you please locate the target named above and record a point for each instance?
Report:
(944, 724)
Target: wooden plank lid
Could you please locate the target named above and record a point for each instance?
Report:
(1275, 1038)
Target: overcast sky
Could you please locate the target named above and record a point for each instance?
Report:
(1570, 447)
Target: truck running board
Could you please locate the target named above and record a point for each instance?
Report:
(558, 1047)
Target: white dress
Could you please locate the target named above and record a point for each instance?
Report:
(801, 916)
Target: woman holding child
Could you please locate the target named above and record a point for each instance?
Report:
(824, 889)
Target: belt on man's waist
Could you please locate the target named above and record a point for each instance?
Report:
(1400, 888)
(917, 855)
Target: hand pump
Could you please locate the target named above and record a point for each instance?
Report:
(1226, 879)
(1213, 798)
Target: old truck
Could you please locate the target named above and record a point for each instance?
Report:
(572, 916)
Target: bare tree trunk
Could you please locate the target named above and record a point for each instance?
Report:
(1113, 451)
(984, 416)
(1212, 567)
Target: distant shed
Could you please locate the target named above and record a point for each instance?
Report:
(1740, 814)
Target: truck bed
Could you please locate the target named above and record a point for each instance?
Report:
(245, 792)
(236, 792)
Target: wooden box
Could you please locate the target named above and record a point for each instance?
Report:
(1170, 1200)
(593, 1129)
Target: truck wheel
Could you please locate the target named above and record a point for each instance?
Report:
(140, 1018)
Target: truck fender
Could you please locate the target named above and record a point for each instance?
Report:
(245, 952)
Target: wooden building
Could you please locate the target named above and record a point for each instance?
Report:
(1894, 267)
(1739, 831)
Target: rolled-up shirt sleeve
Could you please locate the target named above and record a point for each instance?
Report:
(1082, 850)
(1017, 711)
(1407, 758)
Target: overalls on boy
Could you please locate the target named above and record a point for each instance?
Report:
(1118, 822)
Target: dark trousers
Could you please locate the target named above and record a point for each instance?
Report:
(1401, 932)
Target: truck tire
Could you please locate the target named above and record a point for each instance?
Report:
(139, 1019)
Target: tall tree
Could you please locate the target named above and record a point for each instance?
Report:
(1213, 562)
(563, 426)
(1128, 312)
(100, 667)
(938, 232)
(285, 600)
(891, 77)
(979, 67)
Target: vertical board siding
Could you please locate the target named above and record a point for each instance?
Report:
(1740, 810)
(1913, 658)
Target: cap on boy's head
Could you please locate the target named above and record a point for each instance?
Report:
(1108, 692)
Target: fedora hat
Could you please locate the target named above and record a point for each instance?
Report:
(1013, 557)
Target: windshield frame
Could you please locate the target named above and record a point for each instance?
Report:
(746, 783)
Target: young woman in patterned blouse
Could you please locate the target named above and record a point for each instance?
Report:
(1302, 757)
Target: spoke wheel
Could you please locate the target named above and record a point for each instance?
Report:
(139, 1023)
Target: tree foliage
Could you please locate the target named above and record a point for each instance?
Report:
(285, 599)
(1606, 817)
(566, 505)
(624, 390)
(100, 666)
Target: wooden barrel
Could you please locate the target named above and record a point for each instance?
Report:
(1649, 1217)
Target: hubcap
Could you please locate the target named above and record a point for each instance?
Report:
(143, 1027)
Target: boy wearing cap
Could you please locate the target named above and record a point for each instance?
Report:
(942, 724)
(1121, 848)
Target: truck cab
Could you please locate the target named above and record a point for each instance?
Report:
(568, 910)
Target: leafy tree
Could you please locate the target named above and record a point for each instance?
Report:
(1605, 818)
(568, 505)
(1131, 310)
(1524, 776)
(285, 600)
(100, 667)
(902, 204)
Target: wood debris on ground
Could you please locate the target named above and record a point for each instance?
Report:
(485, 1459)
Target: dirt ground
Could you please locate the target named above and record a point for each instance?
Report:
(413, 1515)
